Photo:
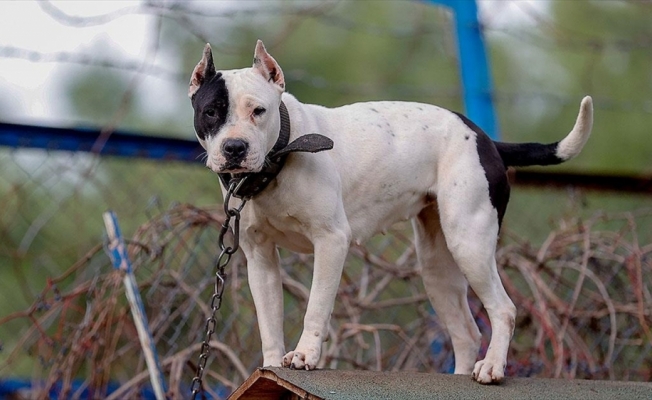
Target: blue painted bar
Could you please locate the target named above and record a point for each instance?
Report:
(122, 144)
(474, 66)
(120, 259)
(9, 388)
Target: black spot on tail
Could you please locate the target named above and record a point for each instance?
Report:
(524, 154)
(494, 168)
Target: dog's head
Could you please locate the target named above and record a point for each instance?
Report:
(236, 112)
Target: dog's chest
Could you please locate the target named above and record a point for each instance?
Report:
(287, 230)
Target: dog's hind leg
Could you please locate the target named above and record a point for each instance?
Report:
(470, 225)
(446, 287)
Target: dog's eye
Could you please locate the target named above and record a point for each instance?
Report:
(258, 111)
(210, 112)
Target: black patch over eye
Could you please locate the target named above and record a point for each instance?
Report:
(258, 111)
(211, 105)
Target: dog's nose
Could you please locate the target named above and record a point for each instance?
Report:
(234, 149)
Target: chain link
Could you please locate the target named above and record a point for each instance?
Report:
(220, 278)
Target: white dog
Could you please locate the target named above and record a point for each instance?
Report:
(389, 161)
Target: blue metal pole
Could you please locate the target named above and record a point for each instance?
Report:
(118, 254)
(474, 67)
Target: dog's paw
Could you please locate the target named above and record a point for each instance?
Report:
(301, 360)
(486, 372)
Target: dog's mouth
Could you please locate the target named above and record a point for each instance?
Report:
(234, 168)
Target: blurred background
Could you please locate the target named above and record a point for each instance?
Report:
(125, 65)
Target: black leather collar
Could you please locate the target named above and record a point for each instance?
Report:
(256, 182)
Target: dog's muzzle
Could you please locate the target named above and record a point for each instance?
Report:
(234, 151)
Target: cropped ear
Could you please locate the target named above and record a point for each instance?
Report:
(267, 66)
(205, 68)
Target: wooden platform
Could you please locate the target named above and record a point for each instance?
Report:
(281, 383)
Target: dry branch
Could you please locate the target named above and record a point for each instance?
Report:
(584, 309)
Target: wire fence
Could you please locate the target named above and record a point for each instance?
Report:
(582, 287)
(583, 297)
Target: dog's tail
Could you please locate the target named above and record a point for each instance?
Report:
(524, 154)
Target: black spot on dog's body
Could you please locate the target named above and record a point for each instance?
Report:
(373, 109)
(494, 168)
(211, 105)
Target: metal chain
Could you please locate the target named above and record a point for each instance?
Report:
(220, 278)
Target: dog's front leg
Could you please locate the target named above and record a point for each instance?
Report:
(263, 270)
(330, 253)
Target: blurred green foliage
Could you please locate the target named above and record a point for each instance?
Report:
(600, 48)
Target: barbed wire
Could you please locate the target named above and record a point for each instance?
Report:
(553, 35)
(186, 14)
(567, 42)
(89, 60)
(320, 82)
(170, 9)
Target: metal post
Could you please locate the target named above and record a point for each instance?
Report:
(474, 67)
(120, 259)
